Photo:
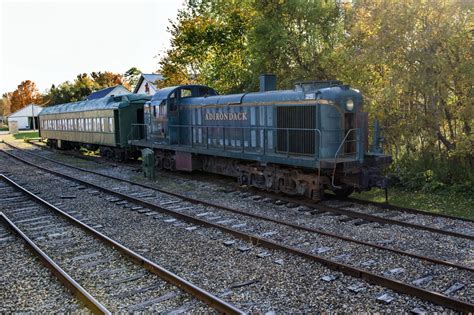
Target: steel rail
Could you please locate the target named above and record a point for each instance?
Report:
(367, 217)
(262, 217)
(85, 297)
(350, 199)
(163, 273)
(389, 206)
(350, 213)
(370, 277)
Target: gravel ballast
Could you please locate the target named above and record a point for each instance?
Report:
(210, 257)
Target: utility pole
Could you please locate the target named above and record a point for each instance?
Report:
(33, 116)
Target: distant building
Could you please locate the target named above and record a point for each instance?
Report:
(147, 83)
(110, 91)
(24, 117)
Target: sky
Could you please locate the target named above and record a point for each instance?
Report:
(52, 41)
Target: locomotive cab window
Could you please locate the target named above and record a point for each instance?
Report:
(185, 93)
(162, 109)
(172, 102)
(349, 124)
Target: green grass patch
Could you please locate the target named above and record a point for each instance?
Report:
(24, 135)
(3, 128)
(445, 202)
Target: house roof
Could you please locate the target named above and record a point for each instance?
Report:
(27, 111)
(115, 102)
(151, 78)
(103, 92)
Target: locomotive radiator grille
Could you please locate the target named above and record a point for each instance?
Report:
(293, 134)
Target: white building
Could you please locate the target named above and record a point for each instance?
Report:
(147, 83)
(110, 91)
(24, 116)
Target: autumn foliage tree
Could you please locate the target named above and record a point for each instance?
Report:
(412, 60)
(25, 94)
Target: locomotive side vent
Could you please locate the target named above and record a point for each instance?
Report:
(291, 135)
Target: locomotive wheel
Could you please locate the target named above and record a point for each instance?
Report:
(344, 192)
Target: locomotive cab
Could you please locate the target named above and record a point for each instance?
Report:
(162, 113)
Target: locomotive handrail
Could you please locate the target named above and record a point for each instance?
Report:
(244, 127)
(317, 147)
(337, 152)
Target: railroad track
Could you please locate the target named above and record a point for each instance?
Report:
(95, 267)
(422, 282)
(388, 206)
(18, 264)
(356, 214)
(448, 227)
(133, 164)
(378, 215)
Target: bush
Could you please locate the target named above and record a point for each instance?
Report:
(430, 174)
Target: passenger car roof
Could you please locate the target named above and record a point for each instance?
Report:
(113, 102)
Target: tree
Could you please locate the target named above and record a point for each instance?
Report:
(106, 79)
(131, 77)
(5, 104)
(208, 46)
(295, 39)
(81, 87)
(68, 92)
(413, 61)
(25, 94)
(226, 44)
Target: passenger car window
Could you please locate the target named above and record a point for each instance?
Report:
(111, 124)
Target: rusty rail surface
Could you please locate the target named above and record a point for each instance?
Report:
(262, 217)
(389, 206)
(164, 274)
(368, 276)
(354, 214)
(85, 297)
(367, 217)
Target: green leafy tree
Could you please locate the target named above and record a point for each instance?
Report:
(81, 87)
(131, 77)
(226, 44)
(208, 46)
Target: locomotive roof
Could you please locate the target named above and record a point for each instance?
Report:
(329, 94)
(112, 102)
(164, 93)
(331, 91)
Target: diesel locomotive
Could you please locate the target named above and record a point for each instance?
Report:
(299, 142)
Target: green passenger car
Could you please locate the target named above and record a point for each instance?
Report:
(104, 124)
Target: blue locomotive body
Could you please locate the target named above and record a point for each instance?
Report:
(299, 141)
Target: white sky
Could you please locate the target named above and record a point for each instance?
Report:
(51, 41)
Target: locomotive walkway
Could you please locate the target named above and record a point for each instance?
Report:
(179, 210)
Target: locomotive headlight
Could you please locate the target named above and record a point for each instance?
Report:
(350, 104)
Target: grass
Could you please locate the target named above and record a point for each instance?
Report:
(445, 202)
(28, 134)
(2, 128)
